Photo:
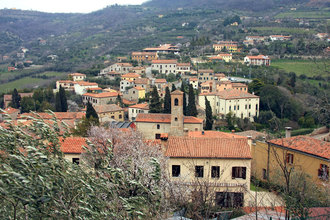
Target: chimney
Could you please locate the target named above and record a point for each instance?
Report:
(232, 131)
(249, 140)
(288, 132)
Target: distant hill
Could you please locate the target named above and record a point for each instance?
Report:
(253, 5)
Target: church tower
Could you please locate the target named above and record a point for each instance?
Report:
(176, 113)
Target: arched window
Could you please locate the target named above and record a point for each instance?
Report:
(176, 102)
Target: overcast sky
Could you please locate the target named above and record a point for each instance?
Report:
(83, 6)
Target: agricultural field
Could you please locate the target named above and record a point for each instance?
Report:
(283, 30)
(37, 80)
(307, 67)
(321, 14)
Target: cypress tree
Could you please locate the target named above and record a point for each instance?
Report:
(64, 103)
(184, 99)
(16, 99)
(191, 109)
(58, 106)
(167, 101)
(173, 87)
(119, 101)
(208, 111)
(155, 105)
(90, 112)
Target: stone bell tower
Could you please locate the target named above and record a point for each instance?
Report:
(176, 113)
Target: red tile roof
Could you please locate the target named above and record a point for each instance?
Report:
(183, 64)
(128, 102)
(107, 108)
(165, 118)
(186, 147)
(84, 83)
(139, 88)
(259, 57)
(9, 110)
(77, 74)
(160, 81)
(58, 115)
(232, 94)
(131, 75)
(102, 95)
(144, 53)
(193, 79)
(205, 71)
(141, 106)
(213, 134)
(141, 81)
(305, 144)
(164, 61)
(124, 64)
(73, 145)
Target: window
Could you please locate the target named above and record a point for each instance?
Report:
(229, 199)
(289, 158)
(120, 116)
(239, 172)
(245, 106)
(75, 160)
(176, 119)
(234, 107)
(158, 126)
(229, 108)
(199, 171)
(250, 106)
(238, 107)
(323, 172)
(176, 102)
(257, 107)
(113, 117)
(157, 136)
(176, 169)
(215, 172)
(264, 174)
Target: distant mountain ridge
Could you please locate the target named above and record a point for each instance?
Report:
(253, 5)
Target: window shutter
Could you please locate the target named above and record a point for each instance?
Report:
(244, 172)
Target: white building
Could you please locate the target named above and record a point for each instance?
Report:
(121, 68)
(165, 66)
(257, 60)
(77, 76)
(240, 103)
(125, 84)
(134, 110)
(194, 82)
(81, 87)
(183, 68)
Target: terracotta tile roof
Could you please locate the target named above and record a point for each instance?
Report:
(164, 61)
(67, 81)
(259, 57)
(160, 81)
(73, 145)
(144, 53)
(205, 71)
(187, 147)
(97, 88)
(305, 144)
(193, 79)
(84, 83)
(9, 110)
(9, 96)
(141, 106)
(232, 94)
(165, 118)
(239, 85)
(128, 102)
(215, 58)
(213, 134)
(77, 74)
(183, 64)
(253, 134)
(131, 75)
(124, 64)
(141, 81)
(107, 108)
(58, 115)
(102, 95)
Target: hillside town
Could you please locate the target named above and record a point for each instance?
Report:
(203, 129)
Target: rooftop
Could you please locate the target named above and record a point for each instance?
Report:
(164, 61)
(58, 115)
(165, 118)
(124, 64)
(101, 95)
(187, 147)
(9, 110)
(83, 83)
(305, 144)
(262, 57)
(107, 108)
(141, 106)
(141, 81)
(231, 94)
(205, 71)
(73, 145)
(213, 134)
(160, 81)
(131, 75)
(144, 53)
(77, 74)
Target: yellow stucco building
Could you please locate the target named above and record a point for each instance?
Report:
(302, 153)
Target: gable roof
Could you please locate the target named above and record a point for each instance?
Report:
(72, 145)
(165, 118)
(107, 108)
(131, 75)
(187, 147)
(9, 110)
(232, 94)
(102, 95)
(140, 106)
(213, 134)
(77, 74)
(160, 81)
(259, 57)
(205, 71)
(305, 144)
(164, 61)
(141, 81)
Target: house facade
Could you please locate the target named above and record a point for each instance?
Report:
(164, 66)
(77, 76)
(81, 87)
(230, 46)
(216, 168)
(183, 68)
(205, 75)
(259, 60)
(100, 98)
(134, 110)
(121, 68)
(144, 56)
(110, 112)
(241, 104)
(302, 153)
